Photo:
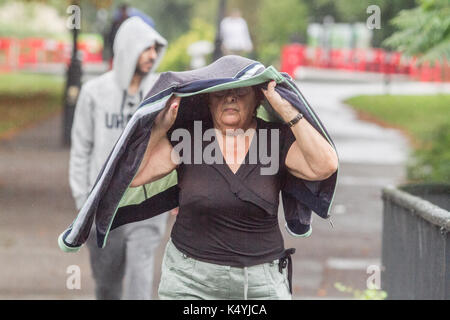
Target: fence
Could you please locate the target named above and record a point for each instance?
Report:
(361, 60)
(416, 243)
(16, 54)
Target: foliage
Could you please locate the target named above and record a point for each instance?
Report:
(176, 57)
(424, 31)
(426, 119)
(351, 11)
(22, 19)
(272, 24)
(432, 162)
(172, 17)
(27, 98)
(19, 84)
(275, 30)
(368, 294)
(293, 16)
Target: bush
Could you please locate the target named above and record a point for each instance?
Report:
(176, 57)
(276, 30)
(368, 294)
(432, 162)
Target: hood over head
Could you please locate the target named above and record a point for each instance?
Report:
(133, 37)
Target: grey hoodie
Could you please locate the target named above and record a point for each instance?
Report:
(104, 107)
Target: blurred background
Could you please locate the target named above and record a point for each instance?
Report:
(376, 72)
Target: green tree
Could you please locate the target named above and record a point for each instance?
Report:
(176, 57)
(172, 17)
(351, 11)
(423, 31)
(279, 22)
(431, 163)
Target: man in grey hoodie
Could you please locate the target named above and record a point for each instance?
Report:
(124, 268)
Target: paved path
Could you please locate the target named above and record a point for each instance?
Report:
(36, 206)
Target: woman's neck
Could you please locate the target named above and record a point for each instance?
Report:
(230, 131)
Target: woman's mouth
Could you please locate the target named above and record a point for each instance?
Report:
(230, 110)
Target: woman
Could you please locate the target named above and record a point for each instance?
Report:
(224, 245)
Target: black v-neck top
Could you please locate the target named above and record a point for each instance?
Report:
(231, 218)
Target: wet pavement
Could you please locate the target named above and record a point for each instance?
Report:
(36, 204)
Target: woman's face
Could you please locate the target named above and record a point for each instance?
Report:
(233, 108)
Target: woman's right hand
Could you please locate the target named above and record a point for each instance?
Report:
(166, 117)
(157, 161)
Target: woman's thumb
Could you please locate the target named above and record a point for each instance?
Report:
(174, 107)
(175, 103)
(173, 110)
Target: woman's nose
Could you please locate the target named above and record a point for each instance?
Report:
(230, 96)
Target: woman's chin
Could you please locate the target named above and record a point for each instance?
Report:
(230, 121)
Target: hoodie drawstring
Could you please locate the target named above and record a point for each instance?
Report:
(124, 96)
(245, 282)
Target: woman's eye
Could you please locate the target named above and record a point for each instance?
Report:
(242, 91)
(219, 94)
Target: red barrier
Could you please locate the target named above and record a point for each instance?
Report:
(426, 72)
(320, 59)
(20, 53)
(358, 60)
(28, 51)
(336, 59)
(292, 56)
(446, 71)
(372, 60)
(89, 54)
(6, 45)
(378, 63)
(395, 62)
(348, 59)
(414, 71)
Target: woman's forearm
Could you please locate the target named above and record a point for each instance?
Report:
(157, 159)
(156, 137)
(316, 150)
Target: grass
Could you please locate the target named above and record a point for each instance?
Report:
(417, 115)
(425, 120)
(26, 99)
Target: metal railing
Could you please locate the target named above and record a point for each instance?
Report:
(416, 243)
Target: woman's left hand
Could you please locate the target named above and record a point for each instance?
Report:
(280, 105)
(311, 157)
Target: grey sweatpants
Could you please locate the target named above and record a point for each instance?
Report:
(183, 277)
(124, 268)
